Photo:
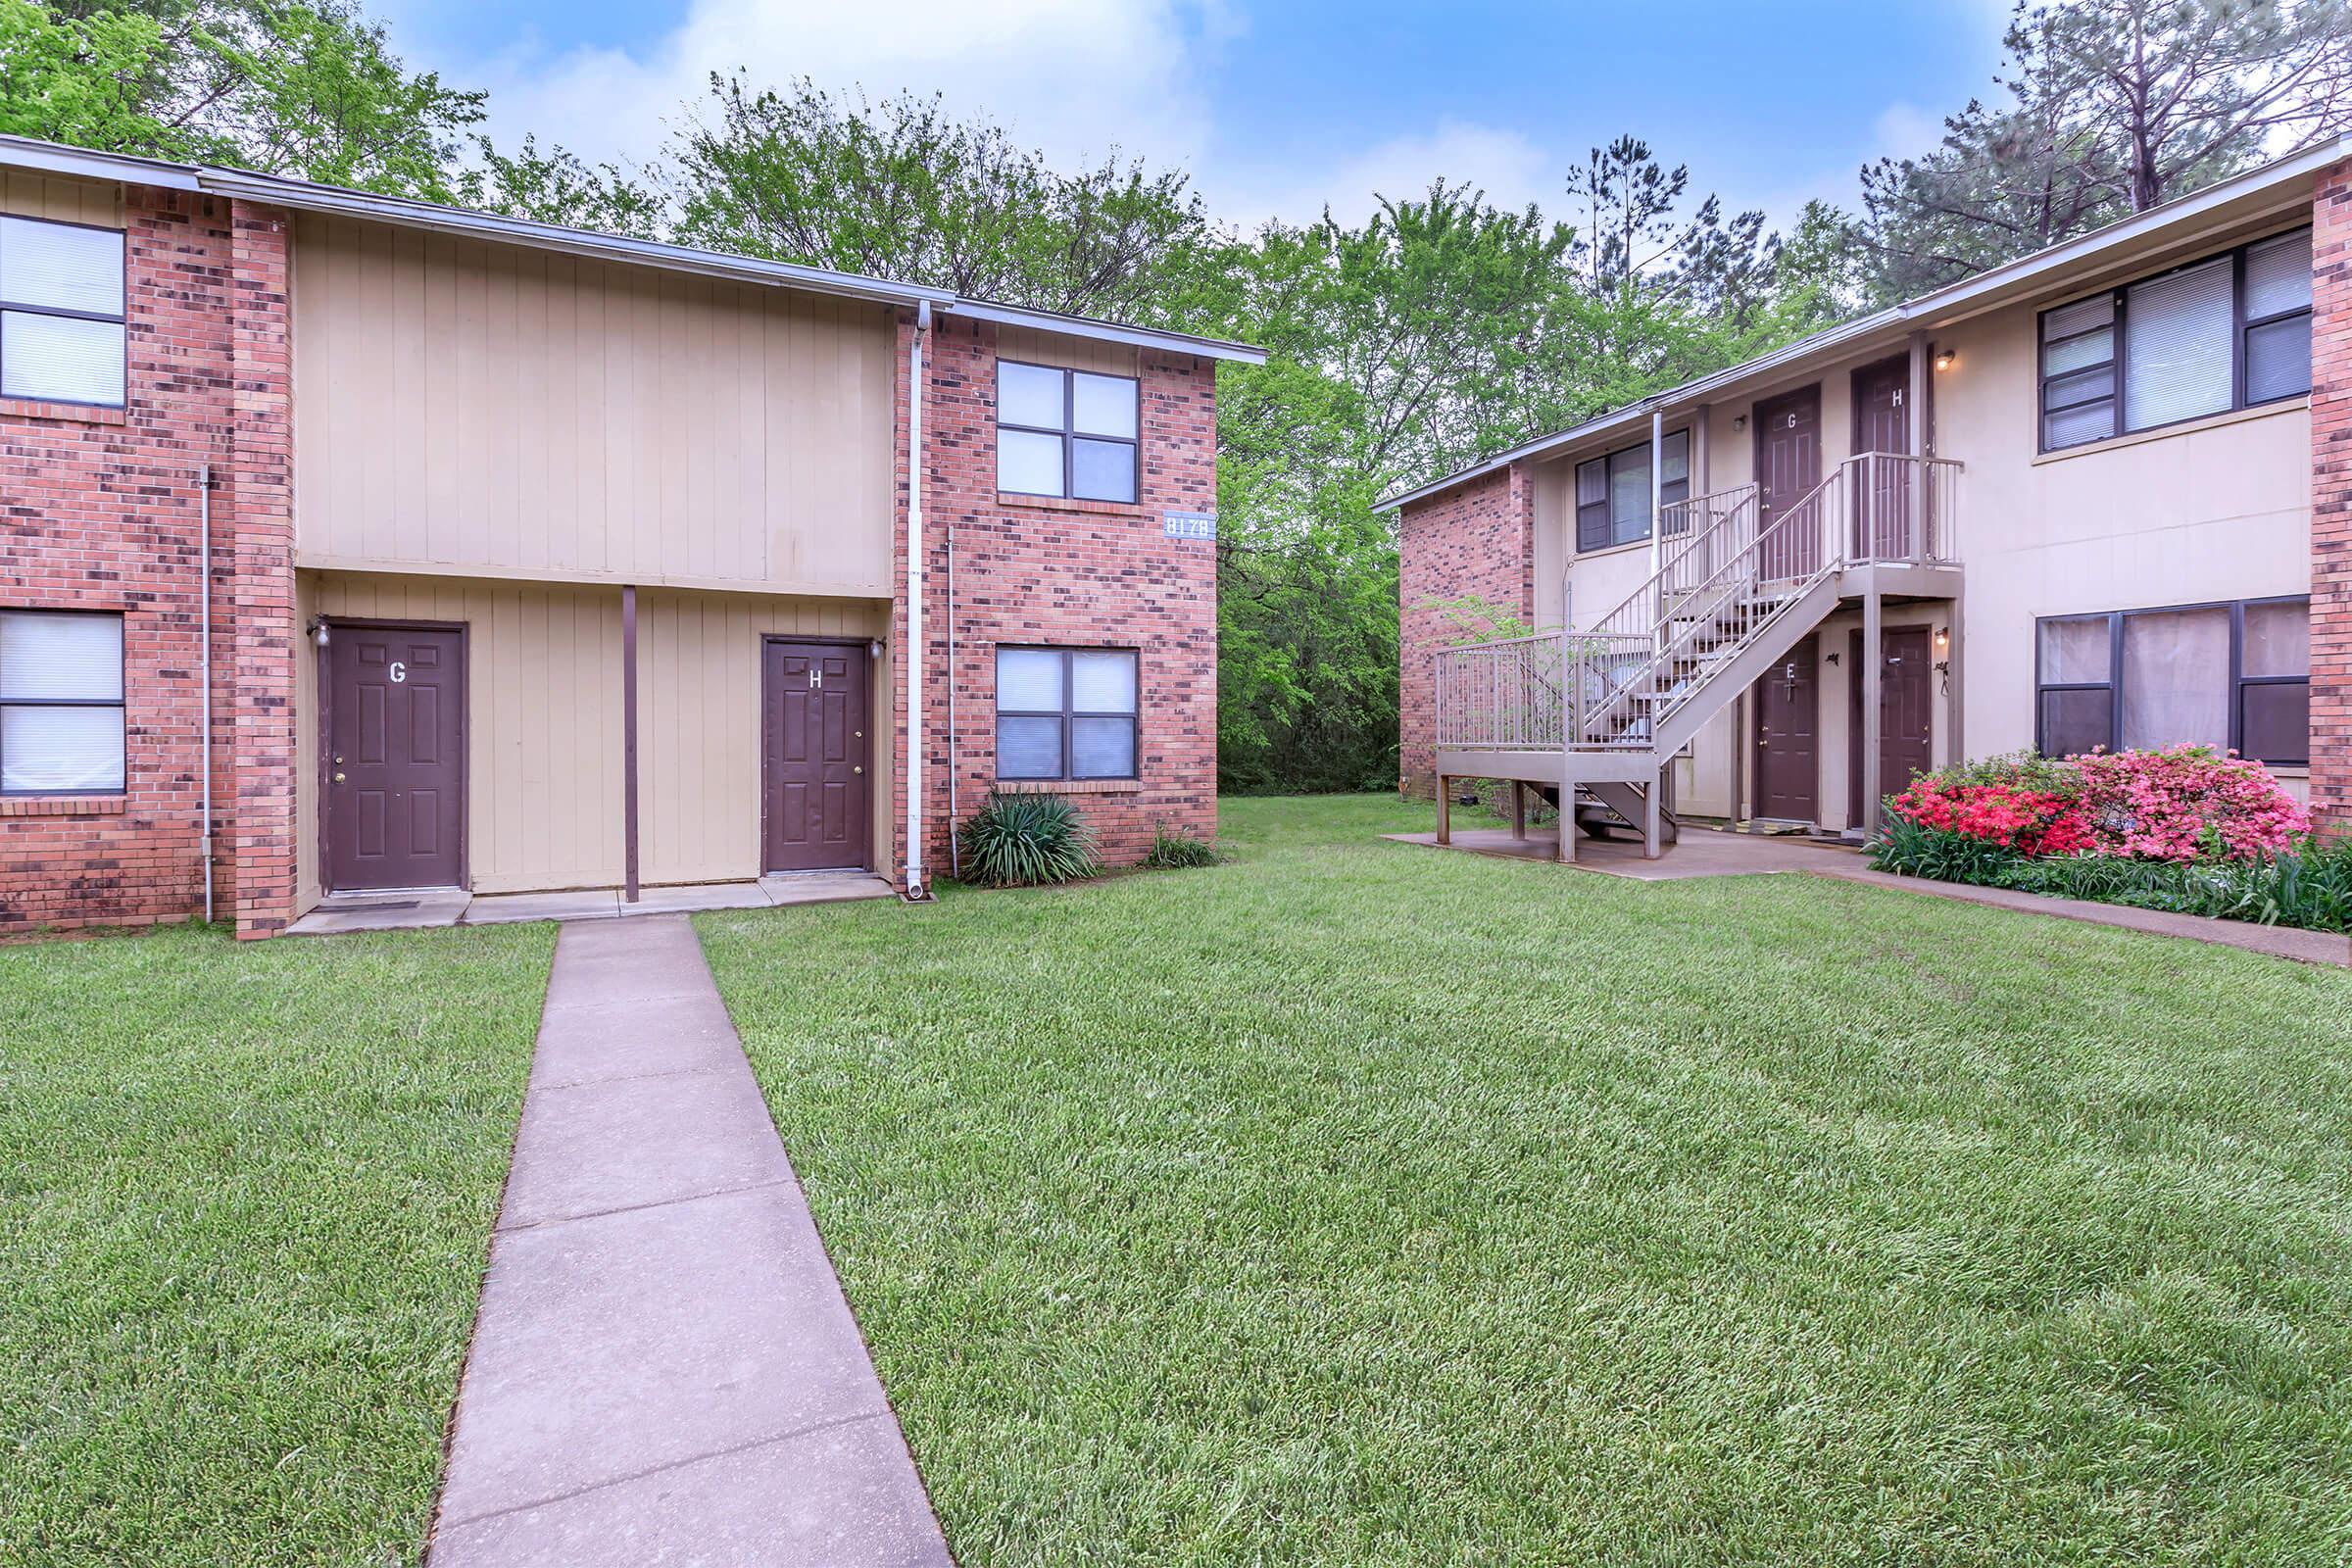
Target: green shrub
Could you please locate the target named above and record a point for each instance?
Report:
(1908, 848)
(1173, 849)
(2026, 769)
(1024, 838)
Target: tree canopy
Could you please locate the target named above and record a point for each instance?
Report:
(1437, 331)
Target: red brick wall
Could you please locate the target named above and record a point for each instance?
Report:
(1074, 574)
(98, 511)
(2332, 500)
(1477, 538)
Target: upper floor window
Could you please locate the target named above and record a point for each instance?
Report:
(61, 312)
(1612, 492)
(1066, 433)
(61, 703)
(2227, 332)
(2227, 675)
(1065, 713)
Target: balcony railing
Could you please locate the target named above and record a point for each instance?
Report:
(1728, 566)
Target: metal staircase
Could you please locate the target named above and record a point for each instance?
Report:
(1599, 712)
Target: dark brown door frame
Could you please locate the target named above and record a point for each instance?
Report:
(864, 648)
(326, 732)
(1853, 714)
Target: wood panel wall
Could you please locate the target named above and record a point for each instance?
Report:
(543, 786)
(64, 200)
(464, 405)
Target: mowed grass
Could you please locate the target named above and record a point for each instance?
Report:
(245, 1202)
(1353, 1202)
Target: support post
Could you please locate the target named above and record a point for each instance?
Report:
(1518, 811)
(1915, 486)
(1955, 725)
(1652, 798)
(1565, 850)
(628, 740)
(1874, 661)
(1445, 810)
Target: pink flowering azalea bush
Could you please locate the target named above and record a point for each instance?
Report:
(2186, 803)
(2184, 828)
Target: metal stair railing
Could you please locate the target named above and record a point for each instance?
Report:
(1722, 584)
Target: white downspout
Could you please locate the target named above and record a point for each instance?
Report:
(204, 647)
(914, 602)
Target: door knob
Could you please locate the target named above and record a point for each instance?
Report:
(339, 778)
(856, 769)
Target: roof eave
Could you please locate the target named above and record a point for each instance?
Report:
(1209, 348)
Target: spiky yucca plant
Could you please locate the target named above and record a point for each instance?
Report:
(1020, 839)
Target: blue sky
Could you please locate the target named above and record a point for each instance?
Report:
(1275, 108)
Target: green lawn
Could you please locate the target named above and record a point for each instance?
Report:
(245, 1201)
(1357, 1204)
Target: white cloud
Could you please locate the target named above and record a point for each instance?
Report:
(1505, 164)
(1075, 77)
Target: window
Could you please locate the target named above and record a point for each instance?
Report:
(61, 312)
(2229, 676)
(2228, 332)
(61, 703)
(1065, 713)
(1066, 433)
(1612, 493)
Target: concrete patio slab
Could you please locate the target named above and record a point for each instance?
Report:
(665, 1369)
(1709, 852)
(383, 911)
(587, 903)
(832, 1497)
(707, 895)
(825, 887)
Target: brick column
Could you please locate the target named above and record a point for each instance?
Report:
(261, 635)
(2331, 501)
(1478, 538)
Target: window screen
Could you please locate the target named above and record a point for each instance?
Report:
(61, 312)
(1063, 432)
(2177, 334)
(61, 703)
(1066, 712)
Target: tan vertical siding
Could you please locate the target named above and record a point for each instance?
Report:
(544, 741)
(25, 194)
(543, 720)
(470, 405)
(699, 658)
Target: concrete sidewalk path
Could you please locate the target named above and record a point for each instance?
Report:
(665, 1369)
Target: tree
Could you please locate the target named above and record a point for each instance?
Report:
(2108, 108)
(559, 187)
(309, 89)
(900, 190)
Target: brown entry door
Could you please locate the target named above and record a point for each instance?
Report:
(815, 725)
(1882, 489)
(1906, 716)
(395, 757)
(1787, 467)
(1788, 718)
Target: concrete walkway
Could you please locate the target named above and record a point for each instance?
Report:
(1711, 851)
(665, 1369)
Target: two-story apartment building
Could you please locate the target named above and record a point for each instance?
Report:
(2099, 496)
(354, 543)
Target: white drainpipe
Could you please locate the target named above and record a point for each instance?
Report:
(915, 600)
(204, 513)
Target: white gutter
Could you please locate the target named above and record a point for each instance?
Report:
(50, 157)
(1208, 348)
(914, 602)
